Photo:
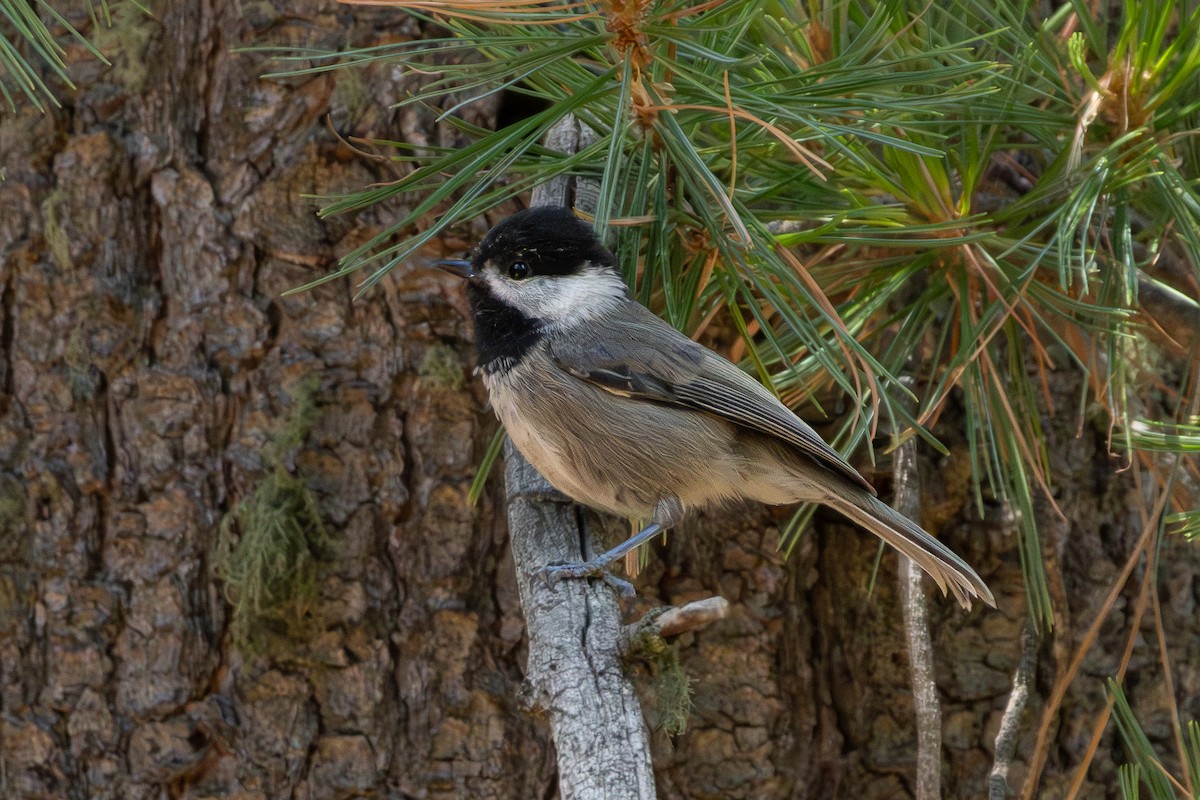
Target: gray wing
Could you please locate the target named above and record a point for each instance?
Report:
(644, 358)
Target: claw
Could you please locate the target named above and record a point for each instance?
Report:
(622, 587)
(553, 573)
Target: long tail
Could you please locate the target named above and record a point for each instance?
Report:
(943, 565)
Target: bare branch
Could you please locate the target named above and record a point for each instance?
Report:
(907, 483)
(1006, 738)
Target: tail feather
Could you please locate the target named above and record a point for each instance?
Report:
(949, 571)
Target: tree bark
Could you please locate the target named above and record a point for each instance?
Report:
(148, 358)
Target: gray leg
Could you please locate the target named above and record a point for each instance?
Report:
(666, 513)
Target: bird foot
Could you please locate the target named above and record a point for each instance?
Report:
(553, 573)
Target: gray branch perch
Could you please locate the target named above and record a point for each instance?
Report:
(574, 671)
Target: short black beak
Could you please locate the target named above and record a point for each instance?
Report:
(457, 266)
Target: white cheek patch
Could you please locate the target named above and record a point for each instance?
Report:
(561, 300)
(503, 289)
(571, 299)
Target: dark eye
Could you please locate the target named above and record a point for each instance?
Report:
(518, 270)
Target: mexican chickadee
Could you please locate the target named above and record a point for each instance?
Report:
(623, 413)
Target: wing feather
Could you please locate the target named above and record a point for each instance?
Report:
(673, 370)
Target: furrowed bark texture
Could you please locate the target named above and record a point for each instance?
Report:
(148, 360)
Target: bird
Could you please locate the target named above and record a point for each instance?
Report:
(621, 412)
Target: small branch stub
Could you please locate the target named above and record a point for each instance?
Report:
(677, 620)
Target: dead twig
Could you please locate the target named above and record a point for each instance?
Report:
(1010, 723)
(907, 481)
